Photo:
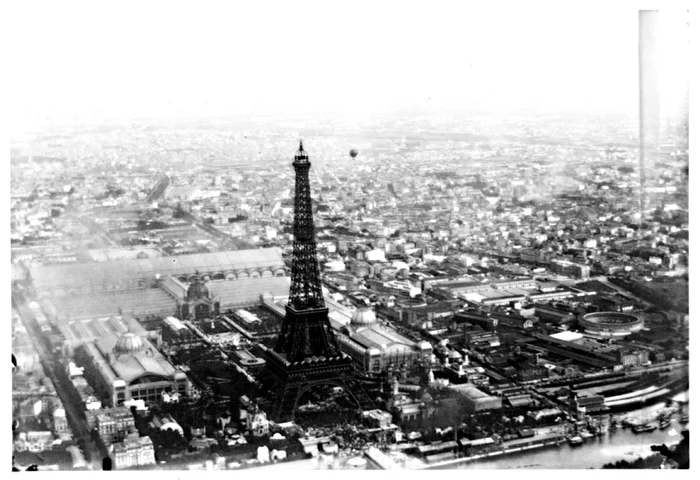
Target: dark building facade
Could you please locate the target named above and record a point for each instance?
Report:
(199, 302)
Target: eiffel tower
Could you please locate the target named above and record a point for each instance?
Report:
(307, 353)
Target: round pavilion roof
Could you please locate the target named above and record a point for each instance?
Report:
(363, 316)
(128, 343)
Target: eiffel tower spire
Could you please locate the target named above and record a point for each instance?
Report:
(306, 331)
(305, 291)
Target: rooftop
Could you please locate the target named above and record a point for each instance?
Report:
(106, 273)
(377, 336)
(130, 367)
(247, 292)
(79, 332)
(567, 336)
(137, 302)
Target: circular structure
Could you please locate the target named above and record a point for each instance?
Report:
(354, 152)
(363, 317)
(128, 343)
(611, 324)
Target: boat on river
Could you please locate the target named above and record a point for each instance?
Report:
(575, 440)
(645, 427)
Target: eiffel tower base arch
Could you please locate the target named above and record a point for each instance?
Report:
(286, 383)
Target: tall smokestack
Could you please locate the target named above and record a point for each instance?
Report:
(649, 99)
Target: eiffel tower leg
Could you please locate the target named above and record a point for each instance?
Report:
(285, 402)
(357, 392)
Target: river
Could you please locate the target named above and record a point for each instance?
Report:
(621, 444)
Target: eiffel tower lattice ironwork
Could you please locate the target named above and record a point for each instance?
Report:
(307, 353)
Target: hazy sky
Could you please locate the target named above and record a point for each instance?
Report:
(124, 59)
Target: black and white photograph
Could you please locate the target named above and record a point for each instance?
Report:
(276, 237)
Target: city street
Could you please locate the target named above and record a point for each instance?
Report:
(69, 396)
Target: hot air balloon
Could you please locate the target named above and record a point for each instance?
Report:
(353, 153)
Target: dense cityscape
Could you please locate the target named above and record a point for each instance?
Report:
(491, 288)
(274, 236)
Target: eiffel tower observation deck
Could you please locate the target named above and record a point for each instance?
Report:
(306, 353)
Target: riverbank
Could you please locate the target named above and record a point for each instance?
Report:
(595, 452)
(608, 447)
(506, 448)
(548, 449)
